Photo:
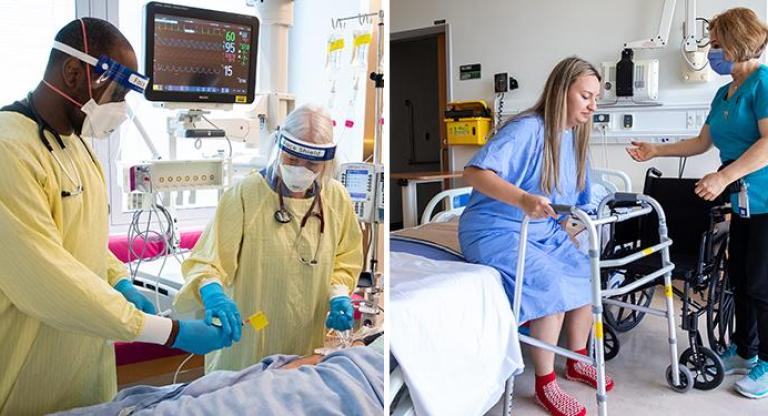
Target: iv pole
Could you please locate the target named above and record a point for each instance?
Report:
(378, 79)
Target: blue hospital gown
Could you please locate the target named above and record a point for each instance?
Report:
(557, 275)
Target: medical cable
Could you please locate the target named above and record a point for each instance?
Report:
(603, 129)
(687, 60)
(500, 99)
(229, 142)
(162, 265)
(167, 236)
(141, 257)
(367, 303)
(681, 167)
(176, 374)
(706, 26)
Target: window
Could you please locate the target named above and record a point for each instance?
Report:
(28, 42)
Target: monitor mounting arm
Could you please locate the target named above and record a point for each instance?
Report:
(662, 37)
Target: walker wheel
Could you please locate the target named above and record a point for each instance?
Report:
(686, 379)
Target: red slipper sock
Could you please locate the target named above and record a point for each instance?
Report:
(585, 373)
(557, 402)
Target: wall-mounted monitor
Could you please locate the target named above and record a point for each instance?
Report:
(199, 56)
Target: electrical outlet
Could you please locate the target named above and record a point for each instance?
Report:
(601, 118)
(690, 120)
(701, 117)
(627, 121)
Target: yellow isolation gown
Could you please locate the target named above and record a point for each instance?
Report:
(258, 261)
(57, 306)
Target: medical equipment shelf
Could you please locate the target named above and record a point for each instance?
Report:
(679, 377)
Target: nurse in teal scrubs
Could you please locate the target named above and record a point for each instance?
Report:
(737, 126)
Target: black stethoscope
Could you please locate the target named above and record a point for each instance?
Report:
(42, 127)
(283, 216)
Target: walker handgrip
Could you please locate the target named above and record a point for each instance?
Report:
(561, 209)
(625, 197)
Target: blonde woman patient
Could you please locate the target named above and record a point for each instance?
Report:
(535, 159)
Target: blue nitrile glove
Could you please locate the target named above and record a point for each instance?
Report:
(341, 316)
(218, 305)
(129, 292)
(197, 337)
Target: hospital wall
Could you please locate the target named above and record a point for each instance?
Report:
(526, 39)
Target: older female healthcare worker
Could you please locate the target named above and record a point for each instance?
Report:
(63, 295)
(285, 241)
(737, 125)
(537, 158)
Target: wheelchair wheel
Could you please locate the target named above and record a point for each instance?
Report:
(623, 319)
(706, 367)
(686, 379)
(610, 342)
(721, 319)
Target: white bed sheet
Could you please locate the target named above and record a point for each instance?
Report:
(453, 334)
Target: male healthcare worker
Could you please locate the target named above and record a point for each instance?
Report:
(63, 295)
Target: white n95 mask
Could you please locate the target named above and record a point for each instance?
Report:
(297, 178)
(102, 119)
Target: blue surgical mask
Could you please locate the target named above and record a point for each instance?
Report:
(718, 63)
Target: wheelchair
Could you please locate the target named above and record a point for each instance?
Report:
(699, 233)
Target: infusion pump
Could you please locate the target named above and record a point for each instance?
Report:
(365, 184)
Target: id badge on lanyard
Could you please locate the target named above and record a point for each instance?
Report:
(743, 199)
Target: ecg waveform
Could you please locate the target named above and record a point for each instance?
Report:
(159, 67)
(205, 30)
(189, 44)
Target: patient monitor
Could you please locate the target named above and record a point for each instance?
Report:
(199, 56)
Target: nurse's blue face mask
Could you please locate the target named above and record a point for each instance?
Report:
(718, 62)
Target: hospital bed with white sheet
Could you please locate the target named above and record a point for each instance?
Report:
(453, 341)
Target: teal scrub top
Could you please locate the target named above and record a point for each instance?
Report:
(733, 126)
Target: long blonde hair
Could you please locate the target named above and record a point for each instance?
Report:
(552, 106)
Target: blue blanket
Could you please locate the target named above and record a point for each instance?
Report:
(347, 382)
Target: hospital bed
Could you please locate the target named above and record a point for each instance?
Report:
(348, 382)
(453, 340)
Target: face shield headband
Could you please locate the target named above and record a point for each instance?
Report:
(309, 151)
(108, 68)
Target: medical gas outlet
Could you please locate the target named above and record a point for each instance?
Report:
(181, 175)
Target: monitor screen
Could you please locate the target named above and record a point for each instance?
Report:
(357, 184)
(198, 55)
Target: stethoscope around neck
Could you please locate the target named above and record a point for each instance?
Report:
(283, 216)
(42, 127)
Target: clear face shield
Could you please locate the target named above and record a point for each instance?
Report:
(298, 164)
(107, 108)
